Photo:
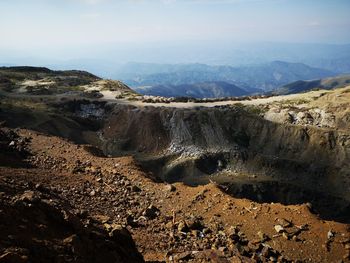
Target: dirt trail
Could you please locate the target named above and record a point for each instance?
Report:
(110, 96)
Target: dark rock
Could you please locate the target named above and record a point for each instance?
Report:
(131, 221)
(151, 212)
(135, 188)
(266, 252)
(182, 227)
(194, 223)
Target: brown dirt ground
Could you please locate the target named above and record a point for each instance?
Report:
(56, 164)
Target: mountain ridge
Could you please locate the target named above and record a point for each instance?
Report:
(210, 89)
(265, 77)
(304, 86)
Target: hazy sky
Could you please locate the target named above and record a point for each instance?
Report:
(26, 23)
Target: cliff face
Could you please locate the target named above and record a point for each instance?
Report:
(192, 132)
(231, 146)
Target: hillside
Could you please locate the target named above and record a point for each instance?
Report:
(304, 86)
(43, 81)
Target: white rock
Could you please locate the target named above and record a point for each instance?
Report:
(279, 228)
(330, 234)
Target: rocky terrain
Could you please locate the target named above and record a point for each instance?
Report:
(111, 178)
(296, 146)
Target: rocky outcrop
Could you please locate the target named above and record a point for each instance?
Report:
(190, 144)
(304, 117)
(13, 148)
(39, 227)
(231, 130)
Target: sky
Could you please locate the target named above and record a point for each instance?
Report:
(60, 26)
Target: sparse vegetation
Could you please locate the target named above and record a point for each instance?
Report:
(258, 110)
(113, 85)
(52, 89)
(43, 81)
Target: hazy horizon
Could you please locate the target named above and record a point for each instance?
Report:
(101, 35)
(91, 29)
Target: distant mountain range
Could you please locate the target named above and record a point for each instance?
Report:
(216, 89)
(201, 80)
(247, 66)
(104, 60)
(304, 86)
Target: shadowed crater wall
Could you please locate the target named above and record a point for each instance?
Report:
(239, 149)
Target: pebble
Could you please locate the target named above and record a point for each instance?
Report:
(285, 235)
(170, 188)
(279, 228)
(29, 196)
(330, 234)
